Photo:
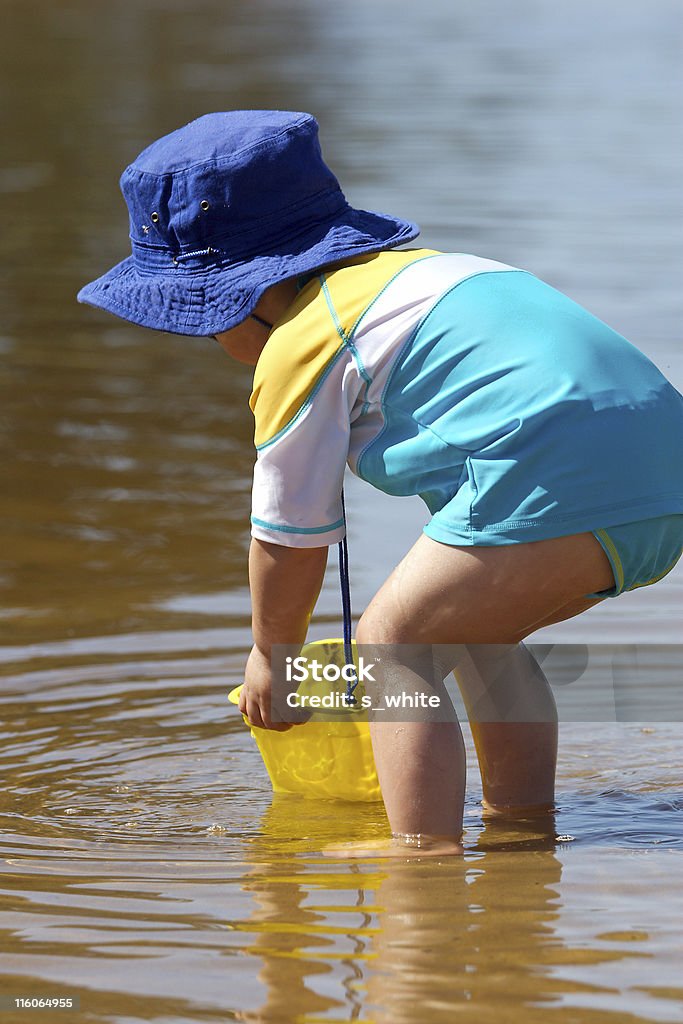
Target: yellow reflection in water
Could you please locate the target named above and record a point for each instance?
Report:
(414, 941)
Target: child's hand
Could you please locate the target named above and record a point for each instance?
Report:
(255, 696)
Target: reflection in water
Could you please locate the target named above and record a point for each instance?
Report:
(309, 919)
(445, 937)
(409, 942)
(139, 833)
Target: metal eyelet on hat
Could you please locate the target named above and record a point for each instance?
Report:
(205, 204)
(154, 217)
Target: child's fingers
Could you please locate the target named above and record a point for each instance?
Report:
(251, 710)
(258, 714)
(268, 722)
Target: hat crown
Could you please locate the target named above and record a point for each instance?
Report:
(243, 177)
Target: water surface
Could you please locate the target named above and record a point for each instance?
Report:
(146, 867)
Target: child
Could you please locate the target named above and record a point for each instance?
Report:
(547, 448)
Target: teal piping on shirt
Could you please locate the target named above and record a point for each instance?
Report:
(341, 332)
(347, 344)
(384, 287)
(294, 529)
(404, 348)
(349, 338)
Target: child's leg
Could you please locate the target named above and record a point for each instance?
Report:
(441, 594)
(421, 769)
(517, 759)
(513, 717)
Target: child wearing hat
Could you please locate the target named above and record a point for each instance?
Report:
(547, 448)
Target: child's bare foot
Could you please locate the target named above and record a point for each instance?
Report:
(399, 845)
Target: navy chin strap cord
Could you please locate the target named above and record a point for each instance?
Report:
(351, 683)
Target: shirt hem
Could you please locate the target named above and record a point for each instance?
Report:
(463, 533)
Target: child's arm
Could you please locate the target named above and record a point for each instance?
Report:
(284, 583)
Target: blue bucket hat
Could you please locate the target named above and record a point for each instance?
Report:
(224, 208)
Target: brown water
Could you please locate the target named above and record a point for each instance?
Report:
(146, 867)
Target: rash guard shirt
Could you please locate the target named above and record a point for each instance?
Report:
(512, 411)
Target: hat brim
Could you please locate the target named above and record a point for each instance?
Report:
(207, 301)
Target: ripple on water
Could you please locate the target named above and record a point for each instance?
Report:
(144, 858)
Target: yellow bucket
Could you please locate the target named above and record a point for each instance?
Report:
(322, 759)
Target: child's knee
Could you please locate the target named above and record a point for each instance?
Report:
(377, 625)
(393, 617)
